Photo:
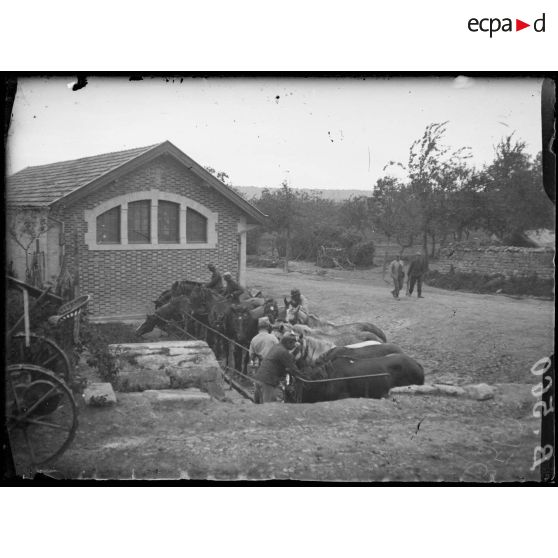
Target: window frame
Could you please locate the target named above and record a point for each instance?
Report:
(154, 196)
(176, 207)
(190, 210)
(143, 206)
(118, 224)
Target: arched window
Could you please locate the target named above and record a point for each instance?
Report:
(139, 222)
(168, 222)
(108, 226)
(196, 226)
(150, 220)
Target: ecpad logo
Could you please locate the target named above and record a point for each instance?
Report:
(492, 25)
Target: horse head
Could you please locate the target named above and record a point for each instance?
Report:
(163, 298)
(241, 324)
(200, 298)
(271, 310)
(147, 326)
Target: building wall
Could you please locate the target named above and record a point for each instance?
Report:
(124, 282)
(506, 260)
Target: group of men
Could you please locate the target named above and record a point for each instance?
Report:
(418, 266)
(274, 358)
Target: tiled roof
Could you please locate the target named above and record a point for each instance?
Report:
(44, 184)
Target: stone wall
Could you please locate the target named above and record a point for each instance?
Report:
(506, 260)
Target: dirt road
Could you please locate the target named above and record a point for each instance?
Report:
(458, 337)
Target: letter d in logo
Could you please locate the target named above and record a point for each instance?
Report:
(539, 24)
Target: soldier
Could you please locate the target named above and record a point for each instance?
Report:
(232, 289)
(274, 368)
(417, 268)
(397, 273)
(215, 283)
(299, 304)
(262, 342)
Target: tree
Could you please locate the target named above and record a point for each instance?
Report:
(393, 212)
(25, 227)
(282, 209)
(220, 175)
(356, 212)
(514, 196)
(432, 169)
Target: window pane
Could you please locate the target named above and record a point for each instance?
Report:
(139, 222)
(196, 226)
(108, 226)
(167, 216)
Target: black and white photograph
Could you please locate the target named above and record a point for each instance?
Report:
(279, 278)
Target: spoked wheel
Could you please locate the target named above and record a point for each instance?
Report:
(43, 352)
(41, 415)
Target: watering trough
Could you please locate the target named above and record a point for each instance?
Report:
(168, 365)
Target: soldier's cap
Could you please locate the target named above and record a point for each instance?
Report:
(227, 274)
(263, 322)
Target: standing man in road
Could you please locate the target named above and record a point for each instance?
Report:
(397, 273)
(417, 268)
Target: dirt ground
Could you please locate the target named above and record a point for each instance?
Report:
(460, 338)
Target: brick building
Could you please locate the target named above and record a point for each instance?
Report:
(126, 225)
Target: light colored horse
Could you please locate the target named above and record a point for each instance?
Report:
(315, 342)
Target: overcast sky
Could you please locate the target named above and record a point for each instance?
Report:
(316, 132)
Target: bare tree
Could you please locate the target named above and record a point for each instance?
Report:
(25, 227)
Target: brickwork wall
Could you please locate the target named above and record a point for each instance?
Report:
(126, 282)
(506, 260)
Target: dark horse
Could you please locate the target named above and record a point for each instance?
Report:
(214, 309)
(177, 289)
(242, 325)
(175, 310)
(344, 376)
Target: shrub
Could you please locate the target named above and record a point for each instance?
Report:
(97, 337)
(363, 254)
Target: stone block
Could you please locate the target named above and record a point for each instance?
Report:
(181, 398)
(139, 379)
(167, 365)
(429, 389)
(480, 392)
(99, 395)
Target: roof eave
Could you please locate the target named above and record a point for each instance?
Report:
(164, 148)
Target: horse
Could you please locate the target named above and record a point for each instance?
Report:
(317, 342)
(371, 377)
(242, 326)
(175, 310)
(178, 288)
(214, 307)
(294, 316)
(365, 349)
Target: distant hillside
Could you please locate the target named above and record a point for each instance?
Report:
(336, 195)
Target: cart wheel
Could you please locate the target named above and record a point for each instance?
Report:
(41, 415)
(42, 351)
